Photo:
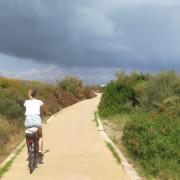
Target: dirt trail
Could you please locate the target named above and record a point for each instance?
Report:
(76, 149)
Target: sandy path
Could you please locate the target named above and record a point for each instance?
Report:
(77, 150)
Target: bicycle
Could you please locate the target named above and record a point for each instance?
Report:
(32, 147)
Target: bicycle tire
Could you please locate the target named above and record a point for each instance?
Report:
(35, 159)
(31, 163)
(31, 158)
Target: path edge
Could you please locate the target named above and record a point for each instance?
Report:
(131, 172)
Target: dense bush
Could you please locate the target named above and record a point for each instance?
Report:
(131, 79)
(71, 85)
(118, 97)
(88, 93)
(153, 140)
(158, 88)
(10, 108)
(151, 134)
(65, 99)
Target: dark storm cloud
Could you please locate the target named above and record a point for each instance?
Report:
(93, 33)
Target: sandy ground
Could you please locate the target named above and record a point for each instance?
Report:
(76, 150)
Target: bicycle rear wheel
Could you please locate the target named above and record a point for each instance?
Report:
(31, 162)
(36, 156)
(31, 157)
(32, 145)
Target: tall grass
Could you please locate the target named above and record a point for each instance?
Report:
(11, 134)
(6, 130)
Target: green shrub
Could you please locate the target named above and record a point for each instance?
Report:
(75, 87)
(71, 85)
(131, 79)
(115, 99)
(88, 93)
(152, 131)
(153, 140)
(158, 88)
(172, 105)
(11, 109)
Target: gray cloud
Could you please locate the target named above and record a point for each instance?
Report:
(52, 73)
(131, 34)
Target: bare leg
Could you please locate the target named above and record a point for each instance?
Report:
(41, 144)
(40, 135)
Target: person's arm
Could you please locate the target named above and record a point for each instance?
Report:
(44, 110)
(24, 105)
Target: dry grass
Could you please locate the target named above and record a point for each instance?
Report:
(10, 137)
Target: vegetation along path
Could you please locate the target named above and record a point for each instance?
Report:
(76, 149)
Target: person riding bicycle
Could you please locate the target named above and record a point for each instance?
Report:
(33, 110)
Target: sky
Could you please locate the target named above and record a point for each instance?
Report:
(48, 40)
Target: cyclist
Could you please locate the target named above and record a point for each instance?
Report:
(33, 111)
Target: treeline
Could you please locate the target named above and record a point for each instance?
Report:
(151, 135)
(13, 94)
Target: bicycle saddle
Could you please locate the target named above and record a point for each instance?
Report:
(31, 131)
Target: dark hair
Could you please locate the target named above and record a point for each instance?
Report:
(33, 92)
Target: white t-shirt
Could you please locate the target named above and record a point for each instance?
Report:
(33, 107)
